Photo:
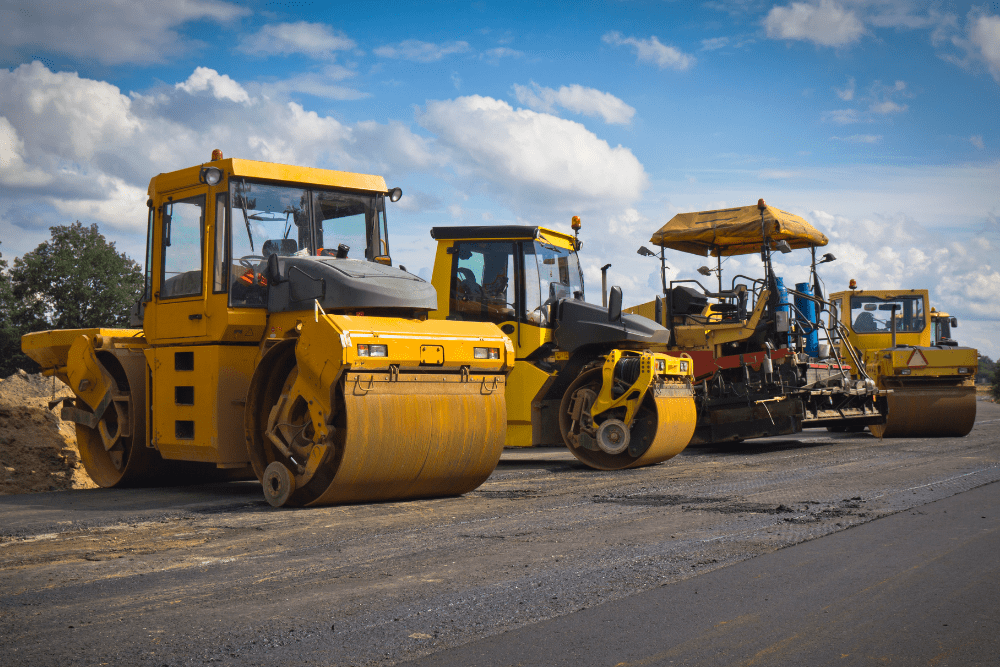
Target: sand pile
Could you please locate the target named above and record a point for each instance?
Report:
(37, 449)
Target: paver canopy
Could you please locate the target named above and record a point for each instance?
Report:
(735, 231)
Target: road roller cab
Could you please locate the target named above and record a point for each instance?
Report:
(907, 348)
(764, 359)
(585, 376)
(277, 340)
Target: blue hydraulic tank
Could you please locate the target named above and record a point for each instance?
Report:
(807, 309)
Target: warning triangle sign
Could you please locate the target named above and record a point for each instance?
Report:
(917, 360)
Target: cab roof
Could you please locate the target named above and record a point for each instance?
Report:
(501, 232)
(272, 171)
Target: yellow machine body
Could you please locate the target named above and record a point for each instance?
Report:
(932, 384)
(265, 365)
(489, 274)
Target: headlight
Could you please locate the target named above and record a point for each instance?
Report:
(963, 370)
(661, 365)
(210, 175)
(486, 352)
(905, 371)
(373, 350)
(684, 366)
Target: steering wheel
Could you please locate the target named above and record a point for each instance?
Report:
(496, 287)
(245, 260)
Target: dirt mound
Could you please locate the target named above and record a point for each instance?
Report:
(37, 449)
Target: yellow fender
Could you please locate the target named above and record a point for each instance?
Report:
(94, 386)
(650, 365)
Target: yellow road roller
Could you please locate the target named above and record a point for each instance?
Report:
(907, 348)
(584, 374)
(275, 338)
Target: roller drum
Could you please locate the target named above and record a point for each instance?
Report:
(663, 426)
(391, 436)
(397, 443)
(924, 412)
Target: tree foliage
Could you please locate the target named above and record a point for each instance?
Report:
(987, 370)
(74, 280)
(995, 388)
(10, 336)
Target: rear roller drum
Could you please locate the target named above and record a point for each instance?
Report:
(661, 428)
(925, 412)
(114, 453)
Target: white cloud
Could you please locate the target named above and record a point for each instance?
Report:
(578, 99)
(94, 148)
(319, 84)
(110, 31)
(847, 93)
(421, 52)
(652, 51)
(714, 43)
(531, 159)
(13, 170)
(841, 116)
(493, 56)
(887, 107)
(826, 23)
(890, 252)
(316, 40)
(222, 87)
(977, 141)
(984, 34)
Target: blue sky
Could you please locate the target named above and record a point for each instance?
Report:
(875, 120)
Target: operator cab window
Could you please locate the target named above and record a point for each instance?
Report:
(551, 274)
(347, 219)
(265, 220)
(870, 314)
(183, 247)
(483, 281)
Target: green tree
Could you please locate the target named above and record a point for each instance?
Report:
(987, 370)
(995, 389)
(74, 280)
(11, 357)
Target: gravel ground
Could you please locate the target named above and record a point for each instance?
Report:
(212, 574)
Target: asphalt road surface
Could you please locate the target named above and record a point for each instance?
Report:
(547, 563)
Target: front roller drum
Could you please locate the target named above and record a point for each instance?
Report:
(663, 426)
(928, 412)
(390, 439)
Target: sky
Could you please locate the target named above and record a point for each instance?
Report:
(876, 120)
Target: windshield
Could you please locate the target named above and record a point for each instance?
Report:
(286, 220)
(559, 275)
(871, 314)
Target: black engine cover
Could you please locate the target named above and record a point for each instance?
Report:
(351, 284)
(578, 323)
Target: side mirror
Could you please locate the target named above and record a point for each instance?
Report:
(615, 304)
(954, 322)
(273, 270)
(658, 310)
